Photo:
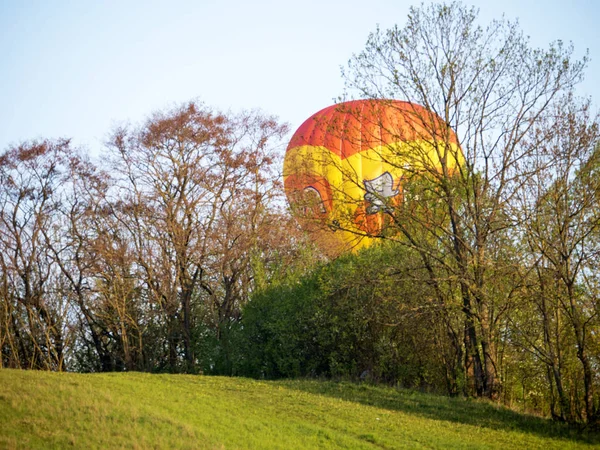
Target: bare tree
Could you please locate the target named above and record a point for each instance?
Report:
(491, 88)
(191, 194)
(35, 331)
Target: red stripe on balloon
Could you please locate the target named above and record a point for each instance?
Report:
(355, 126)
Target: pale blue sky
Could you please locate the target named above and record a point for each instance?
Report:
(77, 68)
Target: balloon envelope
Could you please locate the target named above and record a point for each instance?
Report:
(345, 167)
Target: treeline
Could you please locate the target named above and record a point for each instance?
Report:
(376, 317)
(142, 261)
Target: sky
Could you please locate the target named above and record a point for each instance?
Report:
(79, 68)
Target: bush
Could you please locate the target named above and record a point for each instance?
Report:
(358, 317)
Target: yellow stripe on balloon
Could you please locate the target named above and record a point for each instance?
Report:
(346, 176)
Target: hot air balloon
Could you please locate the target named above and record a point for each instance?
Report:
(346, 166)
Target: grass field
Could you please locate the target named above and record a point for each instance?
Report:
(134, 410)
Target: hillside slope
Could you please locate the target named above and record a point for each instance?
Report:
(134, 410)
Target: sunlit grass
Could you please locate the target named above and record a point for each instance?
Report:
(134, 410)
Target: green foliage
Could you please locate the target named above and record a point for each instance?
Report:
(278, 331)
(134, 410)
(361, 316)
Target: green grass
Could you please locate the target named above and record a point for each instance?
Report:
(134, 410)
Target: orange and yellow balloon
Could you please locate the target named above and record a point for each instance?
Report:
(345, 166)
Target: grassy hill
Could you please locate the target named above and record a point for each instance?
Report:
(135, 410)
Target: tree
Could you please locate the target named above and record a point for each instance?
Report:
(96, 262)
(491, 88)
(196, 194)
(561, 218)
(34, 332)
